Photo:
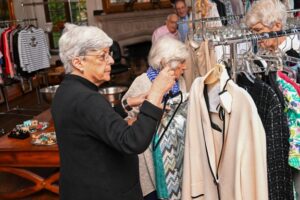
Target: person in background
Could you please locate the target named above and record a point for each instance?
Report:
(182, 12)
(169, 29)
(98, 149)
(166, 51)
(267, 16)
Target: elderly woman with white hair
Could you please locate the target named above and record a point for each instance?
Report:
(267, 16)
(166, 51)
(98, 149)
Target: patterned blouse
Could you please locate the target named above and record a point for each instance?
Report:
(292, 109)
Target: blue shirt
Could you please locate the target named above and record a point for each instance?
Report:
(183, 28)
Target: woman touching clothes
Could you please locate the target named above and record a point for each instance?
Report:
(98, 150)
(169, 52)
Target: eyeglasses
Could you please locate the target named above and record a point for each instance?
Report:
(104, 56)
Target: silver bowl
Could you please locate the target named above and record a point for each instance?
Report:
(113, 94)
(48, 93)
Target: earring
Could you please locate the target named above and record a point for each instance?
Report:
(81, 70)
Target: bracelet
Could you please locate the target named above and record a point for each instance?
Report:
(126, 106)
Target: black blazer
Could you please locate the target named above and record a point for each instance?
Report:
(98, 150)
(271, 112)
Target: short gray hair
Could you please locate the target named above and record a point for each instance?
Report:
(171, 15)
(77, 40)
(166, 48)
(266, 12)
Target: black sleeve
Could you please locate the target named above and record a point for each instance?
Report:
(108, 126)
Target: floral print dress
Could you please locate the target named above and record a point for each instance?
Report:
(292, 109)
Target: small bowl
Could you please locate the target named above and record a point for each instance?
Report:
(113, 94)
(48, 93)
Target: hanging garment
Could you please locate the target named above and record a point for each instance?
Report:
(221, 10)
(16, 57)
(9, 69)
(237, 7)
(1, 72)
(33, 50)
(168, 151)
(274, 120)
(239, 171)
(292, 109)
(201, 61)
(297, 4)
(210, 10)
(183, 28)
(229, 11)
(290, 81)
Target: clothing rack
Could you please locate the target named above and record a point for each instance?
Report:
(18, 108)
(211, 19)
(17, 20)
(234, 41)
(229, 17)
(257, 37)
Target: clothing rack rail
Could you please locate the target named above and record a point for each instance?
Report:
(223, 18)
(257, 37)
(211, 19)
(17, 20)
(234, 41)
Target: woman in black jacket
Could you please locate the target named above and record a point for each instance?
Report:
(98, 150)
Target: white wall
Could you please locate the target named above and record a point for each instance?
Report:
(91, 6)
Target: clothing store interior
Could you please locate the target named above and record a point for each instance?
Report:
(197, 99)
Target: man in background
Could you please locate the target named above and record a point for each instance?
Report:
(182, 12)
(170, 29)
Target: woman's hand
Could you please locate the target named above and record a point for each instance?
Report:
(131, 120)
(161, 85)
(137, 100)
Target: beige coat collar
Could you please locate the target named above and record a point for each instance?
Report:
(225, 97)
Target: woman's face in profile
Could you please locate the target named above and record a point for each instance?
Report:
(270, 44)
(98, 65)
(180, 69)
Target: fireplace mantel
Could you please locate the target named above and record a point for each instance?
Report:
(132, 27)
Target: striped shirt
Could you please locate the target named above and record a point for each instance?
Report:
(33, 50)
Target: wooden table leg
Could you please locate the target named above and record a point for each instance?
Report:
(40, 183)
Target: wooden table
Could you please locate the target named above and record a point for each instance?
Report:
(15, 155)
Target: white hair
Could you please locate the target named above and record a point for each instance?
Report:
(266, 12)
(166, 48)
(77, 40)
(171, 15)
